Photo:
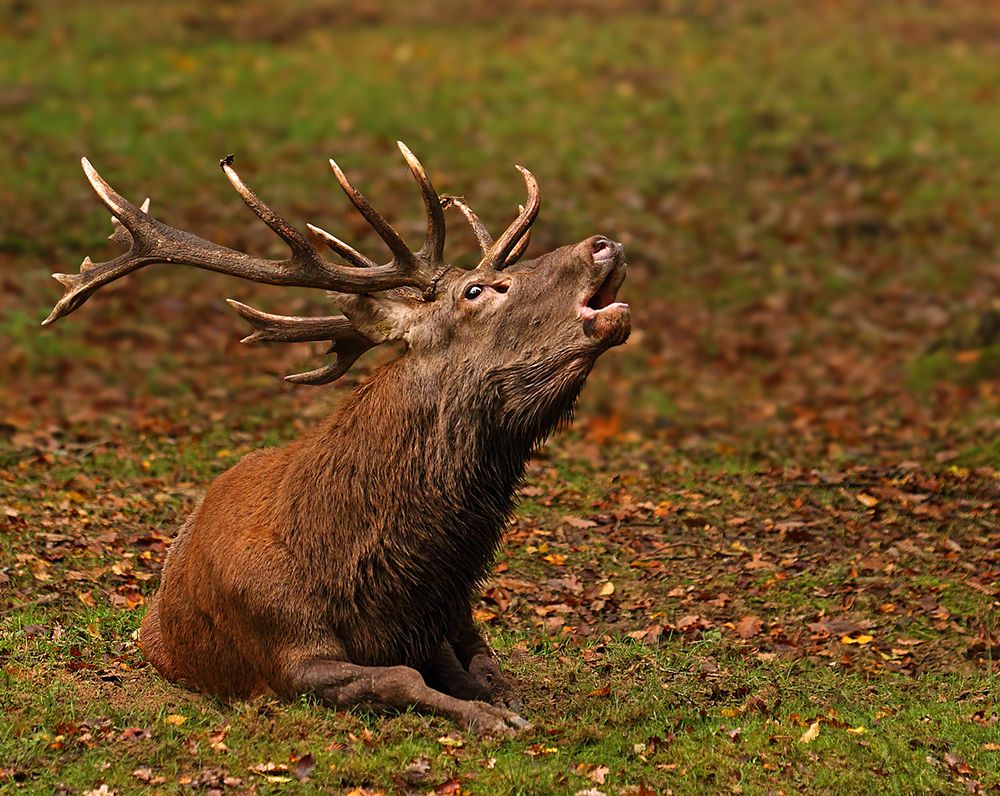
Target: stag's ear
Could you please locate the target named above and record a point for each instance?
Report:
(379, 318)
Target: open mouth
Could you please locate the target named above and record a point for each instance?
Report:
(603, 297)
(605, 294)
(606, 320)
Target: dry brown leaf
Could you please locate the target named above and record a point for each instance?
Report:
(810, 734)
(749, 626)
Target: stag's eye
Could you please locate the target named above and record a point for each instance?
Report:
(473, 292)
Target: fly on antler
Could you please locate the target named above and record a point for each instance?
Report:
(345, 564)
(151, 241)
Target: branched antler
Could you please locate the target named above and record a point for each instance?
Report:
(152, 241)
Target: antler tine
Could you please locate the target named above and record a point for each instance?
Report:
(401, 253)
(522, 245)
(349, 253)
(497, 256)
(482, 234)
(433, 248)
(120, 234)
(302, 251)
(347, 343)
(328, 373)
(270, 328)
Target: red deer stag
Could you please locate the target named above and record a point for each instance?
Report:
(343, 565)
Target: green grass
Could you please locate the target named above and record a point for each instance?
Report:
(802, 428)
(674, 717)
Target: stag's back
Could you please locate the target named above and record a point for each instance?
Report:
(226, 579)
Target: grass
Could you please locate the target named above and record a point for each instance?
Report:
(801, 431)
(670, 720)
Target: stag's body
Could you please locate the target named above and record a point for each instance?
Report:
(350, 542)
(344, 564)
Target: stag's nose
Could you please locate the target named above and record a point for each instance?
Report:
(603, 248)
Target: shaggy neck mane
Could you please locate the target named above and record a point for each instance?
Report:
(421, 465)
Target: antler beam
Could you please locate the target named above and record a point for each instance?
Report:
(151, 241)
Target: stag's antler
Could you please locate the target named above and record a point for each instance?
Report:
(483, 234)
(499, 254)
(346, 342)
(151, 241)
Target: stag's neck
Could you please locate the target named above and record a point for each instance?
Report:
(413, 464)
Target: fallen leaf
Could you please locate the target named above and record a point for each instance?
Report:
(418, 770)
(272, 772)
(757, 562)
(810, 734)
(453, 741)
(217, 740)
(578, 522)
(958, 764)
(870, 501)
(146, 776)
(304, 767)
(749, 626)
(599, 774)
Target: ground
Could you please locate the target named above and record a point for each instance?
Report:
(764, 559)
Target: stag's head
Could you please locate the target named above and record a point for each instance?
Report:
(521, 327)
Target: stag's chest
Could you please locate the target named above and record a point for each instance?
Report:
(407, 600)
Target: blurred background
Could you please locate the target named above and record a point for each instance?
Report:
(808, 193)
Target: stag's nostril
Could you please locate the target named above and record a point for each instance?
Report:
(600, 245)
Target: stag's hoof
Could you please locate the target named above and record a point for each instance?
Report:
(508, 699)
(485, 719)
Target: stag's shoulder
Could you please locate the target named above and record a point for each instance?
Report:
(250, 483)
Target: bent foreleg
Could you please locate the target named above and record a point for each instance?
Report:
(475, 655)
(345, 685)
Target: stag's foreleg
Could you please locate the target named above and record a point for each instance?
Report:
(395, 688)
(445, 673)
(476, 657)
